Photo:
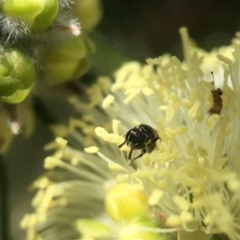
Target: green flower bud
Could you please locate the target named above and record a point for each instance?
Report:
(37, 14)
(17, 75)
(132, 230)
(123, 203)
(66, 61)
(89, 13)
(91, 229)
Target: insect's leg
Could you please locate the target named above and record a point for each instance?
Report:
(140, 155)
(122, 144)
(151, 145)
(156, 138)
(130, 153)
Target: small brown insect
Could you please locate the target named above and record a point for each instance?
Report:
(217, 100)
(142, 137)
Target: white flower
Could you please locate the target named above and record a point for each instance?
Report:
(190, 180)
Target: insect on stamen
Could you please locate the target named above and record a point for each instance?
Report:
(142, 137)
(217, 100)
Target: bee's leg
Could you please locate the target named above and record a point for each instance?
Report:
(130, 154)
(156, 138)
(122, 144)
(140, 155)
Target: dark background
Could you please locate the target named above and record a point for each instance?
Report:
(137, 29)
(150, 28)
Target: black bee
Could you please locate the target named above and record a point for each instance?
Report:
(141, 137)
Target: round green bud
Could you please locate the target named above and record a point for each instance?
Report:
(17, 75)
(132, 230)
(91, 229)
(123, 203)
(37, 14)
(89, 13)
(66, 61)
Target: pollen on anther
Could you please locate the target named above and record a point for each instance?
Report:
(173, 220)
(186, 216)
(147, 91)
(224, 59)
(62, 142)
(132, 93)
(187, 103)
(190, 146)
(51, 162)
(122, 178)
(155, 197)
(91, 149)
(181, 130)
(107, 101)
(202, 151)
(115, 166)
(181, 203)
(194, 109)
(213, 119)
(115, 124)
(174, 100)
(101, 132)
(38, 198)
